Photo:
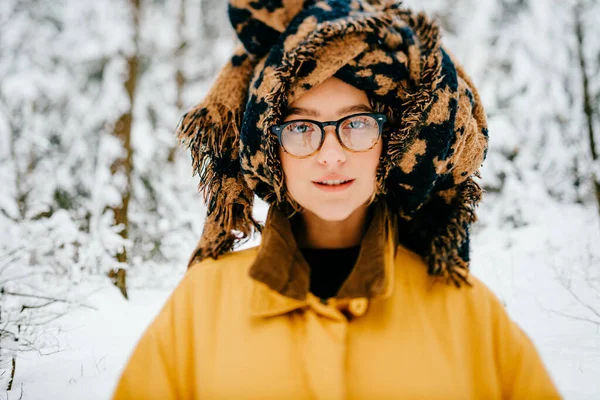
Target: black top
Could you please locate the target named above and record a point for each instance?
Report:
(329, 268)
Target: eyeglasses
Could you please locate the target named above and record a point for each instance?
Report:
(356, 133)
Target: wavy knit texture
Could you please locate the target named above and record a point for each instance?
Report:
(434, 143)
(211, 131)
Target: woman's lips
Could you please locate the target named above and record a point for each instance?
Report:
(334, 188)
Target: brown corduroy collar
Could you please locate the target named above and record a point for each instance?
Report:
(280, 265)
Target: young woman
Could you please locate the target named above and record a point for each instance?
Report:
(363, 134)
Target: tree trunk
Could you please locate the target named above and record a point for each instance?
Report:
(12, 372)
(587, 102)
(179, 76)
(180, 79)
(122, 166)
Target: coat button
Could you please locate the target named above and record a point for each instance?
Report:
(358, 306)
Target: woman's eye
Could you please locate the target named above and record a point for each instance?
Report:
(360, 123)
(356, 124)
(300, 128)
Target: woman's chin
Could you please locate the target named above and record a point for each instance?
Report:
(332, 213)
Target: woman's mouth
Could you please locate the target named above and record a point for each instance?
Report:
(334, 185)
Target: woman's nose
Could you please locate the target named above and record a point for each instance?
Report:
(331, 152)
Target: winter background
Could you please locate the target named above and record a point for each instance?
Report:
(95, 192)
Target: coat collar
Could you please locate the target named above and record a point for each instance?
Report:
(281, 275)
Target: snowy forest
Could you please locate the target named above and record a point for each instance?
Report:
(99, 211)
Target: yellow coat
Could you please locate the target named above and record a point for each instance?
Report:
(228, 333)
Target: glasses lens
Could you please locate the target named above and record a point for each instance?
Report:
(301, 138)
(359, 133)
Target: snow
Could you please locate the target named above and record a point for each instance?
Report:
(61, 91)
(525, 266)
(91, 347)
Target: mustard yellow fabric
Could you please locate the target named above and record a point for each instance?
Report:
(223, 335)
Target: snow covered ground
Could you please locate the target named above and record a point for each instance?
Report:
(93, 346)
(524, 266)
(61, 91)
(547, 275)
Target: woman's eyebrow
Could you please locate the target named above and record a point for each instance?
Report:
(355, 108)
(314, 113)
(301, 111)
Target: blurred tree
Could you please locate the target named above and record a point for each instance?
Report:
(213, 16)
(590, 107)
(180, 79)
(66, 94)
(122, 166)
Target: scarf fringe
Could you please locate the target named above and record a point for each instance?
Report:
(211, 131)
(443, 258)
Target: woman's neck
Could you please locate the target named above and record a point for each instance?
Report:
(314, 232)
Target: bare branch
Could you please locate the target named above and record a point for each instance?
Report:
(11, 279)
(575, 317)
(33, 296)
(7, 259)
(579, 300)
(25, 307)
(593, 287)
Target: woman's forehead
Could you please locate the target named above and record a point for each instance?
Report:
(332, 97)
(316, 113)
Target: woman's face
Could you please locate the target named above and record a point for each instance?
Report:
(314, 181)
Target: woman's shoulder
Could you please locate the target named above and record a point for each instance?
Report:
(207, 280)
(472, 310)
(234, 262)
(474, 320)
(474, 298)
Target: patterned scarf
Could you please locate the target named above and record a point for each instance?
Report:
(436, 136)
